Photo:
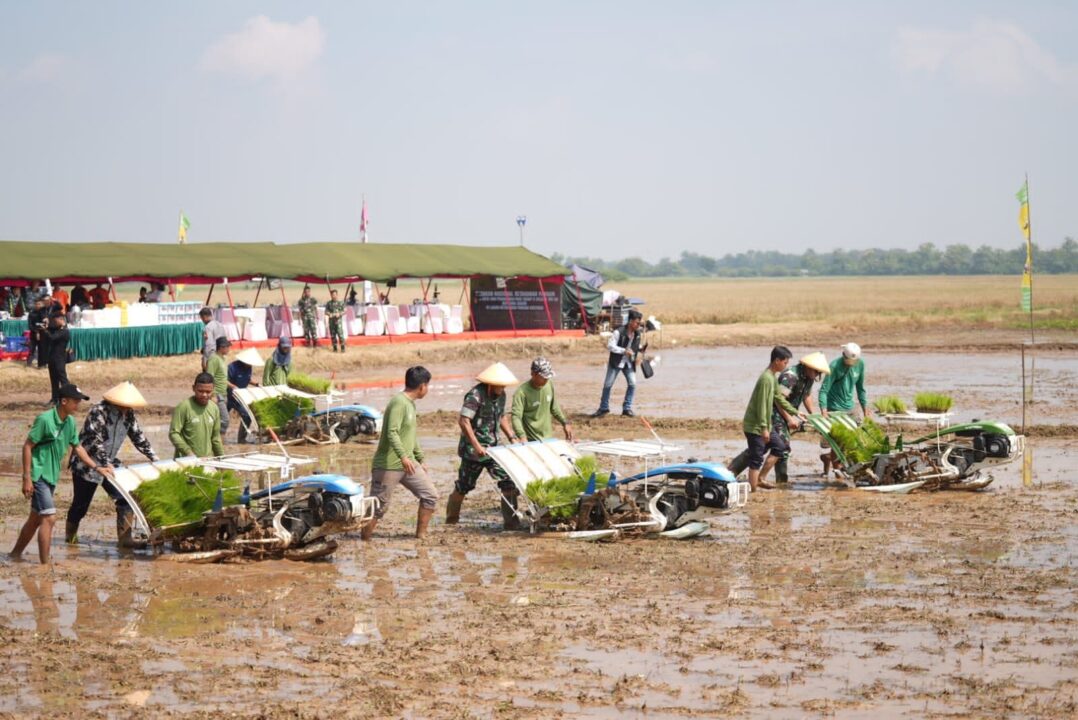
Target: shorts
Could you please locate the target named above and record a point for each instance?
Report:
(384, 482)
(41, 501)
(759, 446)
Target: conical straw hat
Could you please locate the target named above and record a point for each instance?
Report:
(817, 361)
(125, 395)
(497, 374)
(251, 357)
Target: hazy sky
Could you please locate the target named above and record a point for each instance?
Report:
(618, 128)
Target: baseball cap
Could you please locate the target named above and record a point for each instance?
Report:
(73, 392)
(541, 367)
(284, 341)
(851, 351)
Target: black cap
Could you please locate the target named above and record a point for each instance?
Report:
(223, 342)
(73, 392)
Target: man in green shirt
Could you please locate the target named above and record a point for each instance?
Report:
(534, 404)
(196, 422)
(217, 366)
(757, 424)
(399, 459)
(50, 437)
(279, 364)
(837, 390)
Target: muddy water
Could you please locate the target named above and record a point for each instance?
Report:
(811, 601)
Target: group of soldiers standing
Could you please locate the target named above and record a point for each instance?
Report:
(308, 310)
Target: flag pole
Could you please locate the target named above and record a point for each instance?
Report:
(1027, 455)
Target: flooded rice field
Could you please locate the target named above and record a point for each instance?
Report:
(812, 601)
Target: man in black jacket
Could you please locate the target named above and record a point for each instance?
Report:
(624, 347)
(57, 338)
(37, 320)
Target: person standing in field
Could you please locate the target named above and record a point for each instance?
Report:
(838, 389)
(481, 415)
(241, 375)
(624, 348)
(308, 311)
(757, 423)
(795, 384)
(196, 422)
(217, 366)
(37, 320)
(107, 424)
(57, 338)
(50, 437)
(279, 366)
(212, 331)
(534, 404)
(335, 319)
(398, 460)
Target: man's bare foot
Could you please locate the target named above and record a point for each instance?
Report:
(765, 485)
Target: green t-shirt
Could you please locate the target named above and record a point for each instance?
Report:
(217, 367)
(52, 438)
(533, 409)
(843, 382)
(196, 429)
(398, 438)
(758, 414)
(274, 374)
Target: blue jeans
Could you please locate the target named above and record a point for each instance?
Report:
(612, 375)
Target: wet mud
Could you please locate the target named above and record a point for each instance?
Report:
(813, 601)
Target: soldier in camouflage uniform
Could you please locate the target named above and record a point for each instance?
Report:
(335, 318)
(308, 310)
(481, 415)
(795, 383)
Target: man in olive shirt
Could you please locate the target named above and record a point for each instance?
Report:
(399, 459)
(196, 422)
(534, 404)
(217, 366)
(52, 433)
(757, 422)
(279, 365)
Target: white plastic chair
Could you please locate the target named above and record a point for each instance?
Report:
(395, 324)
(432, 320)
(353, 323)
(374, 324)
(454, 324)
(411, 320)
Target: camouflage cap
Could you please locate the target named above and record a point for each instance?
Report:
(541, 367)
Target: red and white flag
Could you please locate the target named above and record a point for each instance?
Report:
(363, 222)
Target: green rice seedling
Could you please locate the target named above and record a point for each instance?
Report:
(890, 405)
(559, 495)
(862, 444)
(308, 384)
(928, 402)
(275, 412)
(179, 497)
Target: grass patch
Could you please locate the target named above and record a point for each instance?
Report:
(178, 497)
(862, 444)
(559, 495)
(308, 384)
(275, 412)
(928, 402)
(890, 405)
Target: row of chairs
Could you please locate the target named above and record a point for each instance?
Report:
(372, 320)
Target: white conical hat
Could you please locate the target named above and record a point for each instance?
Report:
(251, 357)
(497, 374)
(125, 395)
(817, 361)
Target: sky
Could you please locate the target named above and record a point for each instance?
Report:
(617, 128)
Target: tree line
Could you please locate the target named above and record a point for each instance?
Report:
(927, 259)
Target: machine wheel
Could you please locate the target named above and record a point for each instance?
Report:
(366, 425)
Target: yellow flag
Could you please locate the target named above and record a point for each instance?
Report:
(1023, 219)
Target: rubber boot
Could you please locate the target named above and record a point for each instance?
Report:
(422, 521)
(125, 524)
(739, 464)
(782, 472)
(241, 434)
(368, 529)
(71, 532)
(510, 521)
(452, 508)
